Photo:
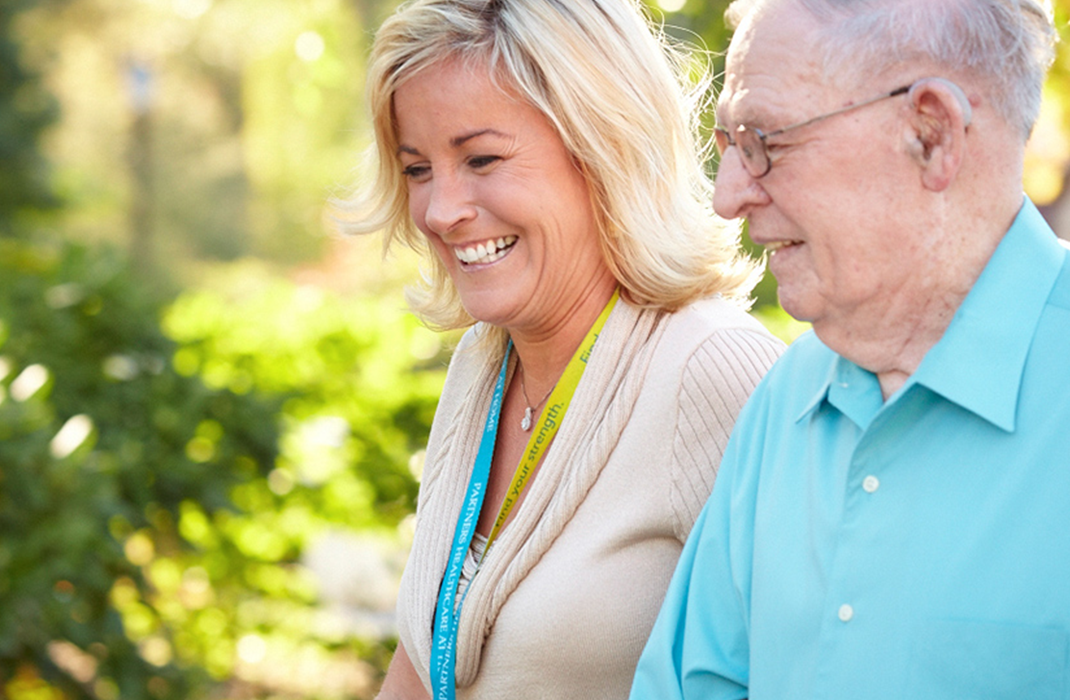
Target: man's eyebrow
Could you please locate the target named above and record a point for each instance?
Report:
(719, 108)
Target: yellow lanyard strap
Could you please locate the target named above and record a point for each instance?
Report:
(550, 419)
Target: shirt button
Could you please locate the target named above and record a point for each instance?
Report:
(871, 484)
(846, 613)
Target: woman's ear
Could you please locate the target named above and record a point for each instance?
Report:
(940, 115)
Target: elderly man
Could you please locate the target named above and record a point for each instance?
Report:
(892, 516)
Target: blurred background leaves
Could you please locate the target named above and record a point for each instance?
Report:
(182, 485)
(212, 412)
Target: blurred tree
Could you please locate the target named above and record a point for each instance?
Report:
(251, 117)
(26, 109)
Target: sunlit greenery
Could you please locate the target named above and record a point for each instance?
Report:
(160, 495)
(212, 413)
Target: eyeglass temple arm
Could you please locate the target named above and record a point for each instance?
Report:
(898, 91)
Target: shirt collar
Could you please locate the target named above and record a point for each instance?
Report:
(978, 363)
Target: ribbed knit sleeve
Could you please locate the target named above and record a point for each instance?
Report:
(718, 378)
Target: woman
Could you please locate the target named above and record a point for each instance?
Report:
(542, 152)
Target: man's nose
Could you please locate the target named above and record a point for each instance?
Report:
(736, 191)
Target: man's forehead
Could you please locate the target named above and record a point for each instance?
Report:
(772, 62)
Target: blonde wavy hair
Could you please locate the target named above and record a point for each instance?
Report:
(624, 100)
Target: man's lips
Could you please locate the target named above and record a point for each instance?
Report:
(774, 246)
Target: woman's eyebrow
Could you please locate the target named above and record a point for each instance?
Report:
(456, 141)
(461, 140)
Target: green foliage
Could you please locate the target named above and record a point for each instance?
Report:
(159, 494)
(363, 380)
(95, 439)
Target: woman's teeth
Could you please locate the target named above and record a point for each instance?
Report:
(485, 252)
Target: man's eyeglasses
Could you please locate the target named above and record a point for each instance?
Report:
(750, 141)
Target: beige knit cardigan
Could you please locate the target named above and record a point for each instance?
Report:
(563, 603)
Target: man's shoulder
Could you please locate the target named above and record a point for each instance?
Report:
(795, 379)
(1060, 294)
(806, 361)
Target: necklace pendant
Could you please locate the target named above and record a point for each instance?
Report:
(525, 424)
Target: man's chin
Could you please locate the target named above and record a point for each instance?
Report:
(796, 306)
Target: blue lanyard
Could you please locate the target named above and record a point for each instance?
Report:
(447, 615)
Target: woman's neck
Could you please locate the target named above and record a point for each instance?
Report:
(544, 353)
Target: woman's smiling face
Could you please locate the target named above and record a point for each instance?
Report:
(498, 196)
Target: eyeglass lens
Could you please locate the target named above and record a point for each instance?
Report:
(751, 146)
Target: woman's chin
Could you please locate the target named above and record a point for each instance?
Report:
(490, 311)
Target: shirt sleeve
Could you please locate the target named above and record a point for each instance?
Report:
(699, 647)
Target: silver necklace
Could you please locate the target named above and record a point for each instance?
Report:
(525, 424)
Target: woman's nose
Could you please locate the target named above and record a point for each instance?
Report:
(449, 203)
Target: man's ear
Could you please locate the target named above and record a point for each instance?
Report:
(940, 114)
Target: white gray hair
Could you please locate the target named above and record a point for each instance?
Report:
(1007, 44)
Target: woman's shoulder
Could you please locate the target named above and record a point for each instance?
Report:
(709, 358)
(469, 369)
(470, 357)
(718, 325)
(714, 314)
(710, 351)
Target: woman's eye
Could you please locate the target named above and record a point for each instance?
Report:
(416, 172)
(478, 162)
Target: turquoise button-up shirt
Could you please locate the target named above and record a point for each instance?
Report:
(857, 549)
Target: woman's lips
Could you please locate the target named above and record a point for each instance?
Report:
(485, 251)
